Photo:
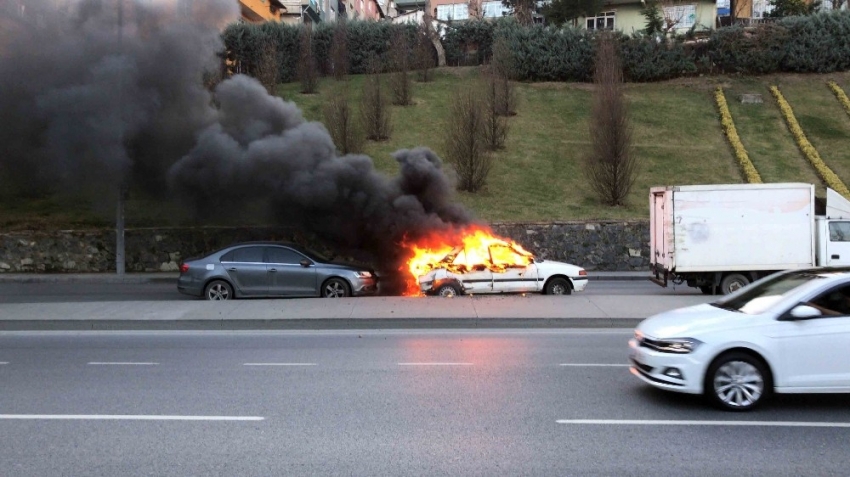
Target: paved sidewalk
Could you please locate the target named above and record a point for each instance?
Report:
(514, 311)
(171, 277)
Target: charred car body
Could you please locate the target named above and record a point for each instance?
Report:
(502, 268)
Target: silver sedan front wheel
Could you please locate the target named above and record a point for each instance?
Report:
(737, 382)
(335, 288)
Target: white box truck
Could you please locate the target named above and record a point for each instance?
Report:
(720, 238)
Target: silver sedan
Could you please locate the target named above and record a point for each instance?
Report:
(270, 269)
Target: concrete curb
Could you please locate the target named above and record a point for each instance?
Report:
(143, 279)
(316, 324)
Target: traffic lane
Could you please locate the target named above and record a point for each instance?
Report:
(363, 413)
(586, 370)
(91, 291)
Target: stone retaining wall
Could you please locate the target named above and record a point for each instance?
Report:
(612, 246)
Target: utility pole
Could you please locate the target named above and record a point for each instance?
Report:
(119, 215)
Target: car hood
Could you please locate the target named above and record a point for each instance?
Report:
(695, 320)
(355, 267)
(551, 266)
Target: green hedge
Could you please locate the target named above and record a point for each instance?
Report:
(818, 43)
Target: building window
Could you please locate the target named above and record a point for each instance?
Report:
(681, 16)
(455, 11)
(495, 9)
(603, 21)
(761, 8)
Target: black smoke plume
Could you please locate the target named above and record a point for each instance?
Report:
(98, 93)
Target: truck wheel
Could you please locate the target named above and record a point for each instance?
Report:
(733, 282)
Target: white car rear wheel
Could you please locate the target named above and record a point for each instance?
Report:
(558, 286)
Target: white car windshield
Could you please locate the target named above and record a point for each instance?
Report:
(765, 293)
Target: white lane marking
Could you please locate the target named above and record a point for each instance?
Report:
(579, 365)
(130, 417)
(279, 364)
(435, 364)
(4, 362)
(120, 363)
(627, 422)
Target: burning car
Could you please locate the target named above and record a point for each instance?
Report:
(485, 263)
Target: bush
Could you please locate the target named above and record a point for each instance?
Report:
(756, 50)
(341, 123)
(820, 43)
(374, 109)
(611, 167)
(308, 71)
(465, 146)
(400, 61)
(646, 59)
(815, 43)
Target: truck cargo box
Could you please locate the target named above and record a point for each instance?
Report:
(745, 227)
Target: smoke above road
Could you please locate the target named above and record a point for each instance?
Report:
(91, 96)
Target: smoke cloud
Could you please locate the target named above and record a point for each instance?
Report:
(92, 96)
(95, 92)
(261, 148)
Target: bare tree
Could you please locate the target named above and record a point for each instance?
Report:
(400, 81)
(308, 68)
(495, 124)
(424, 54)
(522, 10)
(342, 124)
(374, 106)
(611, 167)
(428, 21)
(502, 72)
(266, 68)
(465, 146)
(339, 50)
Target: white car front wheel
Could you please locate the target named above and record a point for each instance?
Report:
(737, 382)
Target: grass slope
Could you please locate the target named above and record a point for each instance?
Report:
(538, 177)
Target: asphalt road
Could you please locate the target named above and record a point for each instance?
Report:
(381, 403)
(82, 291)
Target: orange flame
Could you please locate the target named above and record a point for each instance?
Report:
(472, 248)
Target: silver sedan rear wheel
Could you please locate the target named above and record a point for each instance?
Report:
(218, 290)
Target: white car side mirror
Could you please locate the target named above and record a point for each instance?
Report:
(805, 311)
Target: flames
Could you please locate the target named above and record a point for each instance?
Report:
(462, 251)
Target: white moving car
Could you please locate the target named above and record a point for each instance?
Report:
(451, 278)
(786, 333)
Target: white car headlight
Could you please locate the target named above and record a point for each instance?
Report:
(364, 274)
(673, 345)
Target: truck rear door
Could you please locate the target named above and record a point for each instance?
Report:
(661, 229)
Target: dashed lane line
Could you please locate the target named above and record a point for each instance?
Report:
(128, 417)
(632, 422)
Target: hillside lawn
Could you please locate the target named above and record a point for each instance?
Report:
(538, 177)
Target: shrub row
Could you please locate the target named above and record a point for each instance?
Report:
(839, 93)
(817, 43)
(749, 170)
(829, 177)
